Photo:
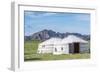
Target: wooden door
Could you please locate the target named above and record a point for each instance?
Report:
(76, 47)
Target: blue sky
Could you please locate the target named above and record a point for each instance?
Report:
(60, 22)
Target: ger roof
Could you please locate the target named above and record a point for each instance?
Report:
(53, 40)
(72, 39)
(69, 39)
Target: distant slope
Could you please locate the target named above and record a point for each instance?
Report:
(46, 34)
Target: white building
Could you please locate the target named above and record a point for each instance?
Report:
(70, 44)
(49, 45)
(73, 44)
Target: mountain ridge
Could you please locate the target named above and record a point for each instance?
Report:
(46, 34)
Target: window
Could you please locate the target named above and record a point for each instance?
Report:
(62, 48)
(55, 49)
(43, 45)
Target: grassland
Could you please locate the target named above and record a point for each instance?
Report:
(55, 57)
(30, 47)
(30, 53)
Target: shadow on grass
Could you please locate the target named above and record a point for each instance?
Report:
(31, 59)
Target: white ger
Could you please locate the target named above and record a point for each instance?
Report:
(70, 44)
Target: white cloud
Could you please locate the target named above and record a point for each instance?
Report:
(38, 14)
(48, 14)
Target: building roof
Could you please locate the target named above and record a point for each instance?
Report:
(72, 39)
(52, 41)
(69, 39)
